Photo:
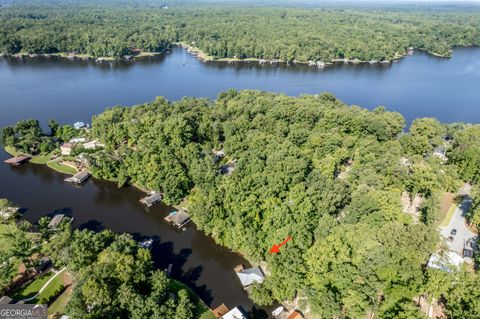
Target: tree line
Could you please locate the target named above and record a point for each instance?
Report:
(227, 31)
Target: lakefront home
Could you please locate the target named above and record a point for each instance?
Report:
(66, 148)
(249, 276)
(236, 313)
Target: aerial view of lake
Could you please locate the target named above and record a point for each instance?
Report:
(417, 86)
(69, 91)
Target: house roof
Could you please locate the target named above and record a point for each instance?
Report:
(446, 261)
(220, 310)
(82, 175)
(5, 300)
(250, 276)
(235, 313)
(152, 199)
(295, 315)
(180, 217)
(67, 145)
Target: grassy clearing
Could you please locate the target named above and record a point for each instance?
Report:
(201, 309)
(59, 305)
(61, 168)
(41, 159)
(5, 240)
(32, 288)
(38, 159)
(54, 288)
(449, 215)
(12, 151)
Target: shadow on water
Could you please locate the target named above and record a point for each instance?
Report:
(163, 256)
(93, 225)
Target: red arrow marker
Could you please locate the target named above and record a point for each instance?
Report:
(276, 248)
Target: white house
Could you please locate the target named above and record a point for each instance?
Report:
(66, 148)
(446, 261)
(235, 313)
(250, 276)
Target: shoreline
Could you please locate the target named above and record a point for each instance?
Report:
(203, 57)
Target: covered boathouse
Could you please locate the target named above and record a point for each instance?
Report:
(151, 200)
(78, 178)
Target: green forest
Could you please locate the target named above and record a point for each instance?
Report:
(231, 31)
(329, 175)
(113, 277)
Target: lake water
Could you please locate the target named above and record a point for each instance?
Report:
(67, 91)
(417, 86)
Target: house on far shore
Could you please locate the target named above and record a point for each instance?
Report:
(17, 160)
(66, 148)
(249, 276)
(236, 313)
(5, 300)
(79, 125)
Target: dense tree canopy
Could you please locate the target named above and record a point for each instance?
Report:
(228, 31)
(116, 279)
(329, 175)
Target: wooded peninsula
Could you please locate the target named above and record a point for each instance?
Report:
(254, 168)
(227, 31)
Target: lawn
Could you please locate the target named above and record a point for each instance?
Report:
(12, 151)
(4, 238)
(61, 168)
(201, 310)
(41, 159)
(58, 306)
(38, 159)
(449, 215)
(32, 288)
(54, 288)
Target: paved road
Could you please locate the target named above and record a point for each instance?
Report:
(458, 222)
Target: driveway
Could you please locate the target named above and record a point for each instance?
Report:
(458, 222)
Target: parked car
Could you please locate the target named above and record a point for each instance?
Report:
(453, 232)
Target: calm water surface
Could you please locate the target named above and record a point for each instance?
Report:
(68, 91)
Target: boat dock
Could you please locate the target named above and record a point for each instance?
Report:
(151, 200)
(17, 160)
(78, 178)
(179, 218)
